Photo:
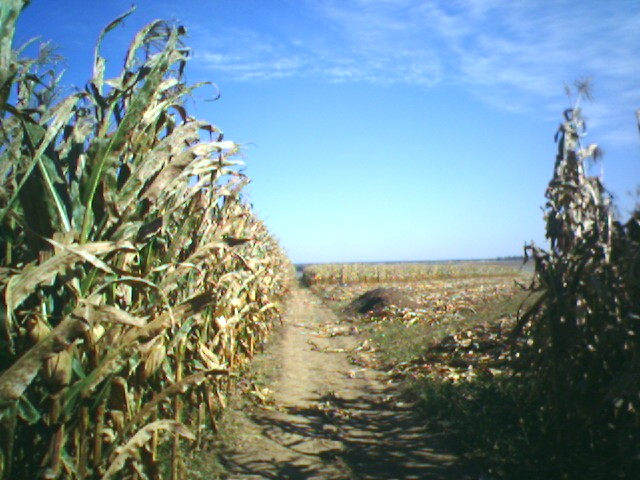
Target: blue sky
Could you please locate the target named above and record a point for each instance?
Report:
(382, 130)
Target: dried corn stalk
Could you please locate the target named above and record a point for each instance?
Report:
(583, 333)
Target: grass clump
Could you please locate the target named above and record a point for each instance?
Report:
(460, 375)
(458, 372)
(401, 342)
(487, 420)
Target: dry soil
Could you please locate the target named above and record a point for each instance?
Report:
(332, 414)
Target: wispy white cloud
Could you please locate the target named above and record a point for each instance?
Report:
(247, 55)
(517, 55)
(253, 68)
(512, 55)
(352, 41)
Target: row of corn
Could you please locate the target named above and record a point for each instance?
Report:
(135, 281)
(581, 352)
(347, 273)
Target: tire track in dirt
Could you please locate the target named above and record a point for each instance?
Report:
(333, 417)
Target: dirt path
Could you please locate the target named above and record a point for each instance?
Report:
(333, 417)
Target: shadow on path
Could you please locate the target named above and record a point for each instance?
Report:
(333, 418)
(367, 437)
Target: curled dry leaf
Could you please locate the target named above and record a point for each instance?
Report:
(15, 380)
(156, 355)
(132, 447)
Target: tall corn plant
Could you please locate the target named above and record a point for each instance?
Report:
(583, 353)
(134, 279)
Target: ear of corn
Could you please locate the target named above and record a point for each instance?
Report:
(134, 278)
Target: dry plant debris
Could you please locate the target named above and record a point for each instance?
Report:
(468, 349)
(481, 350)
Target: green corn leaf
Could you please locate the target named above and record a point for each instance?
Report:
(106, 158)
(27, 411)
(59, 116)
(23, 284)
(9, 12)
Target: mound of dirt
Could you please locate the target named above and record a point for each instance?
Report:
(376, 300)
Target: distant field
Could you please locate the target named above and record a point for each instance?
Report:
(445, 292)
(348, 273)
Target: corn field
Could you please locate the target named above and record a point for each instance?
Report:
(583, 333)
(349, 273)
(135, 280)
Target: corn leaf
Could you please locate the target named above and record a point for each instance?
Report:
(132, 447)
(21, 285)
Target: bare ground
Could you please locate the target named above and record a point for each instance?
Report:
(333, 415)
